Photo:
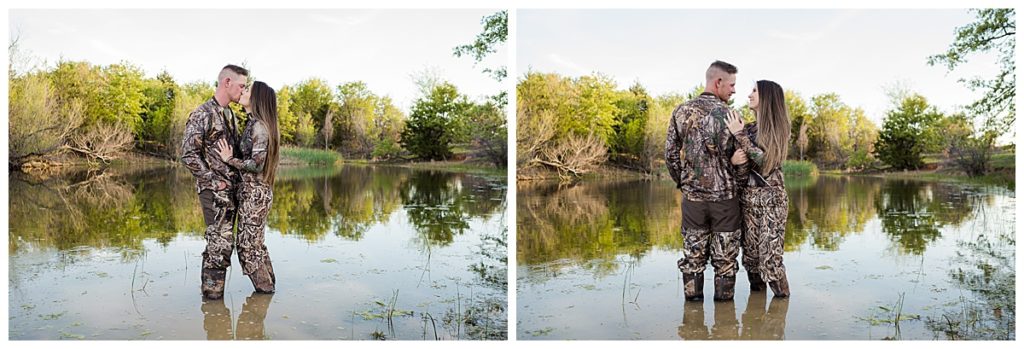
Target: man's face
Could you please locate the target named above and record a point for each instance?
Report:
(726, 87)
(235, 85)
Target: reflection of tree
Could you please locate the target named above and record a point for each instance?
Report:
(436, 204)
(349, 201)
(903, 209)
(593, 223)
(101, 209)
(913, 211)
(828, 211)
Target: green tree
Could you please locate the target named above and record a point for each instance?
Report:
(286, 118)
(431, 128)
(314, 98)
(904, 133)
(994, 29)
(594, 108)
(121, 96)
(355, 119)
(800, 119)
(157, 109)
(494, 34)
(305, 132)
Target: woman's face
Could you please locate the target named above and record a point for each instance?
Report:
(244, 99)
(752, 103)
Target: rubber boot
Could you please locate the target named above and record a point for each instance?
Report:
(263, 279)
(756, 283)
(780, 287)
(693, 286)
(213, 283)
(725, 287)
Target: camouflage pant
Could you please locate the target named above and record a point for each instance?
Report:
(721, 247)
(711, 229)
(255, 199)
(219, 214)
(764, 217)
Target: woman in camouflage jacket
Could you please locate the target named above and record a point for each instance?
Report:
(259, 149)
(762, 189)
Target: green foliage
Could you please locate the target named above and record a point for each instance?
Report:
(121, 96)
(835, 131)
(799, 119)
(494, 34)
(435, 123)
(305, 132)
(287, 120)
(314, 98)
(994, 29)
(907, 133)
(39, 122)
(158, 108)
(366, 120)
(488, 131)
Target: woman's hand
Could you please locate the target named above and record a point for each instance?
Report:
(734, 122)
(739, 157)
(224, 150)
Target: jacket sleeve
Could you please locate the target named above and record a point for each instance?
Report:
(256, 162)
(192, 148)
(673, 146)
(754, 153)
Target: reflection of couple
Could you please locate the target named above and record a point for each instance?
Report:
(234, 172)
(757, 323)
(217, 318)
(731, 178)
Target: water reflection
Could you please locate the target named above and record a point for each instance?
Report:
(592, 223)
(123, 209)
(756, 323)
(217, 318)
(854, 244)
(125, 243)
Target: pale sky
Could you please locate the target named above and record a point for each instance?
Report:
(380, 47)
(855, 53)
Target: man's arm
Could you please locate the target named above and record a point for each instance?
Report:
(673, 146)
(192, 149)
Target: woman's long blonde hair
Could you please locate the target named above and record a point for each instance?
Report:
(773, 126)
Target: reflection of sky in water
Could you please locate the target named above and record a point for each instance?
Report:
(327, 287)
(837, 288)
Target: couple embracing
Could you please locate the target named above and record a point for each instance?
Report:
(734, 197)
(234, 174)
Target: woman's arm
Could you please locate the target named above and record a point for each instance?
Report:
(255, 163)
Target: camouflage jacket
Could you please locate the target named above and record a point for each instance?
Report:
(206, 125)
(697, 129)
(253, 146)
(747, 173)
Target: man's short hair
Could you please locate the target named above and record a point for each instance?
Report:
(231, 68)
(720, 66)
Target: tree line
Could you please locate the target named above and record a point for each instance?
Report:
(100, 112)
(573, 124)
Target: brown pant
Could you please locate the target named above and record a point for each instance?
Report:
(711, 229)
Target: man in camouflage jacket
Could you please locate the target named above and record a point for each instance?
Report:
(712, 220)
(216, 182)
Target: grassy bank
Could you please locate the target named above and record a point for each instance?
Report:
(1003, 172)
(796, 168)
(309, 157)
